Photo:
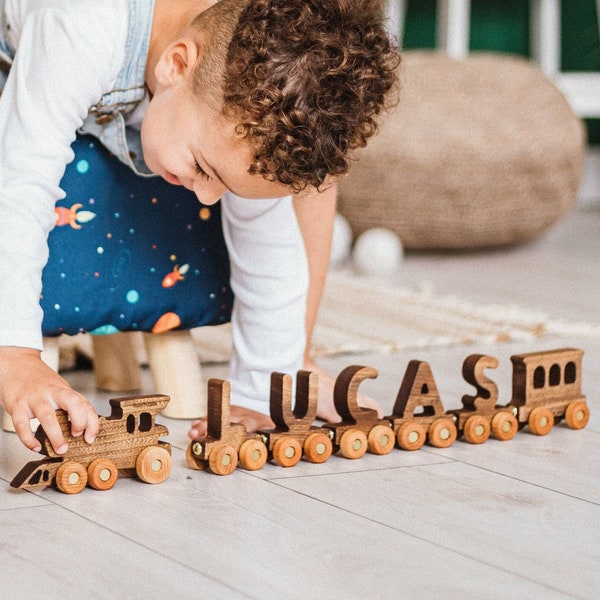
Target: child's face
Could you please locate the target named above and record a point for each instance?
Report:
(188, 143)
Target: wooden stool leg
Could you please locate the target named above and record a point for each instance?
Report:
(116, 366)
(50, 357)
(177, 372)
(50, 353)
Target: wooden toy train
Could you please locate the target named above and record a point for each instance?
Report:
(127, 442)
(546, 389)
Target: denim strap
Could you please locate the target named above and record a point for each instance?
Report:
(129, 87)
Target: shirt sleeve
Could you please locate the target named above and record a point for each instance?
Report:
(269, 279)
(65, 60)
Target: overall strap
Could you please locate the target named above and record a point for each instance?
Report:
(129, 87)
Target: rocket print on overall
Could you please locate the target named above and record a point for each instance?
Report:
(131, 253)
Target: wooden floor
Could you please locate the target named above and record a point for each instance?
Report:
(518, 519)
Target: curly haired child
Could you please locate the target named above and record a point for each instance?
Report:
(256, 103)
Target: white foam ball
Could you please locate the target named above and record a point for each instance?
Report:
(341, 243)
(377, 251)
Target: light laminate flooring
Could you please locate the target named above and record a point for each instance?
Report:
(518, 519)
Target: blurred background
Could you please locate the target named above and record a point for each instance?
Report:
(568, 32)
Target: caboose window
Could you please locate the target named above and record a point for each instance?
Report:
(570, 372)
(554, 377)
(145, 421)
(539, 378)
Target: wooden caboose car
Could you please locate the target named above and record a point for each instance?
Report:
(127, 442)
(547, 388)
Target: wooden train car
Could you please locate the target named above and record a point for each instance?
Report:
(294, 432)
(418, 414)
(226, 441)
(480, 416)
(127, 442)
(546, 389)
(360, 428)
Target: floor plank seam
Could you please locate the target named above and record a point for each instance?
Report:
(23, 508)
(531, 483)
(351, 472)
(429, 542)
(157, 552)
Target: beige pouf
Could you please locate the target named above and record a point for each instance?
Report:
(480, 152)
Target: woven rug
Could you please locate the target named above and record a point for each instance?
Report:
(364, 315)
(360, 315)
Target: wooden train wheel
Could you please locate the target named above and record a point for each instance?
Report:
(318, 447)
(476, 429)
(102, 474)
(153, 464)
(71, 477)
(504, 426)
(541, 420)
(223, 459)
(577, 414)
(253, 455)
(287, 451)
(442, 433)
(192, 459)
(381, 439)
(353, 443)
(411, 435)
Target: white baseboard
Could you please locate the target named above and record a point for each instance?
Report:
(589, 192)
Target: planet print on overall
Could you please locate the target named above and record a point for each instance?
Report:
(127, 250)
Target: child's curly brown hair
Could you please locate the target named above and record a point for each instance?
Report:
(305, 81)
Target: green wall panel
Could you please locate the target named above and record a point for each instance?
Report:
(500, 26)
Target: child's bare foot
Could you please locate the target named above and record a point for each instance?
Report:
(325, 407)
(254, 421)
(251, 419)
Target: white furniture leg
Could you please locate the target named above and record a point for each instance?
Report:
(50, 357)
(177, 372)
(453, 26)
(50, 353)
(545, 35)
(395, 11)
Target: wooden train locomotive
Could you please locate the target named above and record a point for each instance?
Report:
(546, 389)
(127, 442)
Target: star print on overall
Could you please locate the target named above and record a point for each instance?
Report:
(131, 253)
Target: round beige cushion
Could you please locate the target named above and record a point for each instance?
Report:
(479, 152)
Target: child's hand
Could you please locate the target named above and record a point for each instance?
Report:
(30, 389)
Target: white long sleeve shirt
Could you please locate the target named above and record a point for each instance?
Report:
(68, 53)
(65, 59)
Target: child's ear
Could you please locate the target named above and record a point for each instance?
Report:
(177, 61)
